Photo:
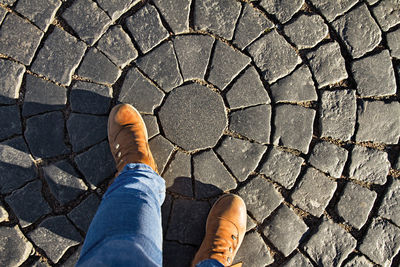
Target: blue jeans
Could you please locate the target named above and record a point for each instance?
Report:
(126, 230)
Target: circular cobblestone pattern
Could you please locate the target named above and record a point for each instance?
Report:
(293, 105)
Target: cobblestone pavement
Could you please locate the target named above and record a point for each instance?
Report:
(294, 105)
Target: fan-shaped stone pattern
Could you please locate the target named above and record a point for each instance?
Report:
(298, 260)
(359, 261)
(10, 122)
(390, 207)
(253, 251)
(175, 13)
(41, 13)
(393, 40)
(90, 98)
(178, 175)
(283, 10)
(15, 247)
(11, 75)
(198, 123)
(217, 16)
(358, 31)
(162, 150)
(387, 13)
(331, 9)
(83, 214)
(115, 8)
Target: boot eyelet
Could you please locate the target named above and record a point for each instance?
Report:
(233, 237)
(116, 146)
(228, 260)
(119, 154)
(230, 249)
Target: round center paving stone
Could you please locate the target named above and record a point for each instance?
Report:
(193, 117)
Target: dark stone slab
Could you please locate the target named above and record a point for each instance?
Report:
(165, 212)
(225, 65)
(42, 96)
(387, 13)
(117, 46)
(175, 13)
(211, 177)
(73, 259)
(96, 164)
(287, 238)
(93, 26)
(359, 261)
(162, 67)
(252, 23)
(90, 98)
(11, 75)
(178, 175)
(296, 87)
(197, 124)
(20, 39)
(176, 254)
(55, 236)
(314, 192)
(261, 198)
(115, 8)
(298, 260)
(248, 90)
(293, 127)
(59, 57)
(378, 122)
(151, 125)
(253, 251)
(146, 28)
(355, 204)
(83, 214)
(283, 10)
(241, 157)
(390, 208)
(218, 17)
(41, 13)
(15, 248)
(16, 165)
(253, 123)
(193, 53)
(186, 226)
(97, 67)
(64, 182)
(10, 122)
(274, 56)
(161, 149)
(331, 9)
(139, 92)
(282, 167)
(393, 40)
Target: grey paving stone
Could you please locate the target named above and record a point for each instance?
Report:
(3, 13)
(358, 31)
(250, 223)
(387, 13)
(20, 39)
(371, 2)
(282, 167)
(225, 65)
(248, 90)
(285, 229)
(298, 260)
(241, 157)
(59, 57)
(28, 203)
(253, 251)
(261, 198)
(3, 214)
(83, 214)
(331, 9)
(11, 75)
(86, 130)
(383, 118)
(55, 236)
(355, 204)
(274, 56)
(10, 123)
(358, 261)
(296, 87)
(338, 114)
(293, 127)
(97, 67)
(328, 158)
(390, 207)
(176, 254)
(178, 175)
(186, 226)
(96, 164)
(374, 75)
(253, 123)
(252, 23)
(146, 28)
(16, 165)
(64, 182)
(162, 67)
(45, 135)
(162, 150)
(41, 263)
(193, 53)
(211, 177)
(175, 13)
(115, 8)
(41, 13)
(218, 17)
(73, 259)
(327, 64)
(199, 123)
(306, 31)
(314, 192)
(8, 2)
(93, 26)
(165, 212)
(393, 40)
(382, 242)
(151, 125)
(330, 245)
(42, 96)
(90, 98)
(15, 247)
(282, 10)
(134, 85)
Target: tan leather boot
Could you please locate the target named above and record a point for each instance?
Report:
(225, 229)
(127, 136)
